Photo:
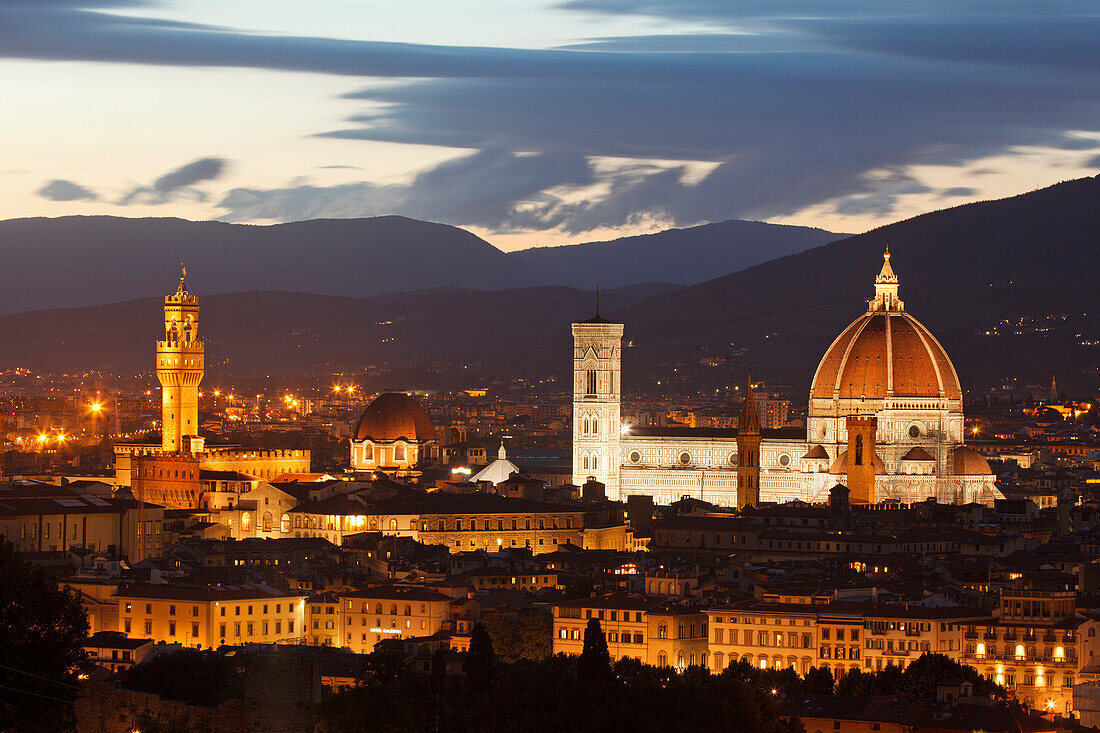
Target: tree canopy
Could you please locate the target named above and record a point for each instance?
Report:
(41, 630)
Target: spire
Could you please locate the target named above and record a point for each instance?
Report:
(749, 421)
(502, 455)
(886, 288)
(182, 289)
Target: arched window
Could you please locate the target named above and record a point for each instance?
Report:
(378, 609)
(399, 452)
(681, 630)
(412, 525)
(284, 524)
(246, 520)
(718, 658)
(680, 661)
(408, 610)
(590, 382)
(662, 660)
(393, 525)
(662, 633)
(584, 461)
(267, 519)
(297, 522)
(859, 450)
(393, 609)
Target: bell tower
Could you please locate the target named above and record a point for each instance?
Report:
(748, 451)
(180, 368)
(597, 397)
(861, 458)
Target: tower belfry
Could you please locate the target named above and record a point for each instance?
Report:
(180, 368)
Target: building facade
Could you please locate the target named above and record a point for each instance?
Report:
(212, 616)
(886, 365)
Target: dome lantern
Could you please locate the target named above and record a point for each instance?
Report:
(886, 288)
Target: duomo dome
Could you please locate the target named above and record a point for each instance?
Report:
(887, 363)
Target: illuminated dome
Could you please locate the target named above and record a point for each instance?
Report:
(393, 416)
(969, 462)
(884, 354)
(840, 465)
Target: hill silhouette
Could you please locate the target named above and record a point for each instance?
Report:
(91, 260)
(683, 256)
(963, 271)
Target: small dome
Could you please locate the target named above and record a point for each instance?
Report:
(969, 462)
(394, 415)
(840, 465)
(817, 452)
(916, 453)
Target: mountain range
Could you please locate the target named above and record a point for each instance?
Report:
(1008, 286)
(81, 260)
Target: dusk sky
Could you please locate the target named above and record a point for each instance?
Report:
(543, 122)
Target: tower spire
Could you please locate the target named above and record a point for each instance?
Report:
(182, 288)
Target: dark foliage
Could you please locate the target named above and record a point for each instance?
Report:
(192, 676)
(525, 635)
(543, 696)
(41, 630)
(480, 661)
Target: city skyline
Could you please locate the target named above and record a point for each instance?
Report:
(542, 123)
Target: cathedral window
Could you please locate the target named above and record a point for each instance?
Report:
(590, 382)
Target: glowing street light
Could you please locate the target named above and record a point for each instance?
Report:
(96, 407)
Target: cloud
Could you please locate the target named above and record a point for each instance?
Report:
(957, 191)
(177, 182)
(62, 190)
(483, 189)
(1093, 162)
(793, 101)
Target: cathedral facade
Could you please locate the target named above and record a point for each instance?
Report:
(885, 418)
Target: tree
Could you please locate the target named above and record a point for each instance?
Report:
(525, 635)
(41, 630)
(480, 659)
(920, 679)
(594, 665)
(818, 681)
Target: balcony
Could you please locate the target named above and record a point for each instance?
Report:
(971, 635)
(990, 636)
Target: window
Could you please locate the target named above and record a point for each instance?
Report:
(859, 450)
(590, 382)
(126, 625)
(148, 628)
(171, 628)
(194, 629)
(171, 610)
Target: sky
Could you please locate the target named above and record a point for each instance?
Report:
(542, 123)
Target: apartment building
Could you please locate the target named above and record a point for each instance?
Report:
(652, 630)
(390, 612)
(1036, 647)
(205, 616)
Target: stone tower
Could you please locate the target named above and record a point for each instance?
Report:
(861, 458)
(597, 429)
(180, 368)
(748, 451)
